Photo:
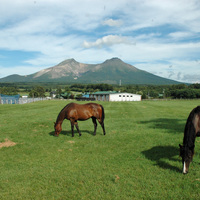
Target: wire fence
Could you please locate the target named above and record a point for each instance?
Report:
(30, 100)
(5, 99)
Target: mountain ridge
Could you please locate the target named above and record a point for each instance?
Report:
(111, 71)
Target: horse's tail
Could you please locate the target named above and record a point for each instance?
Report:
(103, 114)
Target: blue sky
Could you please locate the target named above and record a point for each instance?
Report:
(158, 36)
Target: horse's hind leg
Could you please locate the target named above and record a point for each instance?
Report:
(95, 124)
(76, 124)
(102, 125)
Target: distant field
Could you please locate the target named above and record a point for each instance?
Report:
(138, 158)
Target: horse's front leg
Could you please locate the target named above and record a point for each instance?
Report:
(72, 127)
(76, 124)
(95, 124)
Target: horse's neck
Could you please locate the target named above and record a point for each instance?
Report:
(60, 118)
(189, 135)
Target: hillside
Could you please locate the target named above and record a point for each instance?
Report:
(111, 71)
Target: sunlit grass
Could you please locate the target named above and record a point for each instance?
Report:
(138, 158)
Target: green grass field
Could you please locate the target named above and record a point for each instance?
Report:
(138, 158)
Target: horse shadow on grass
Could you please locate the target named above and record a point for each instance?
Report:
(159, 154)
(172, 125)
(69, 133)
(162, 155)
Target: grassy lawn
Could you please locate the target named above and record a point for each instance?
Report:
(138, 158)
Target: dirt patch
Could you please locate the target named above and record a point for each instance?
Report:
(7, 143)
(116, 178)
(71, 142)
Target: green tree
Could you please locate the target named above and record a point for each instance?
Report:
(59, 91)
(9, 90)
(37, 91)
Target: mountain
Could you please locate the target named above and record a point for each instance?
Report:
(111, 71)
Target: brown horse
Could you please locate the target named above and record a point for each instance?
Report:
(75, 112)
(192, 130)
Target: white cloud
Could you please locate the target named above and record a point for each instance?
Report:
(134, 31)
(181, 35)
(20, 70)
(111, 22)
(186, 71)
(191, 78)
(108, 40)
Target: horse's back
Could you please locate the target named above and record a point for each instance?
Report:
(80, 111)
(193, 123)
(83, 111)
(82, 106)
(196, 120)
(98, 110)
(93, 109)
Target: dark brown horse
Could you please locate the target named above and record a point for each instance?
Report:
(75, 112)
(192, 130)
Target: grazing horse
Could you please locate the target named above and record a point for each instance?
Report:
(192, 130)
(75, 112)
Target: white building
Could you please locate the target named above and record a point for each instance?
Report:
(115, 96)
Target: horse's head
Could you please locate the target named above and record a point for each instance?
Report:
(58, 128)
(187, 154)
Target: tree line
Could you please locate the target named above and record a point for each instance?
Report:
(180, 91)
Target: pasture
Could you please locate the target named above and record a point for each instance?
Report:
(138, 158)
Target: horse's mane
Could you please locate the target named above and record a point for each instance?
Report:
(189, 132)
(59, 115)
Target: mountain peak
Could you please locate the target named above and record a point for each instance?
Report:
(110, 71)
(115, 59)
(68, 61)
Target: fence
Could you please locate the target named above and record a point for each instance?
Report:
(6, 99)
(30, 100)
(15, 99)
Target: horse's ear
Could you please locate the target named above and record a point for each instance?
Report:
(54, 123)
(180, 146)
